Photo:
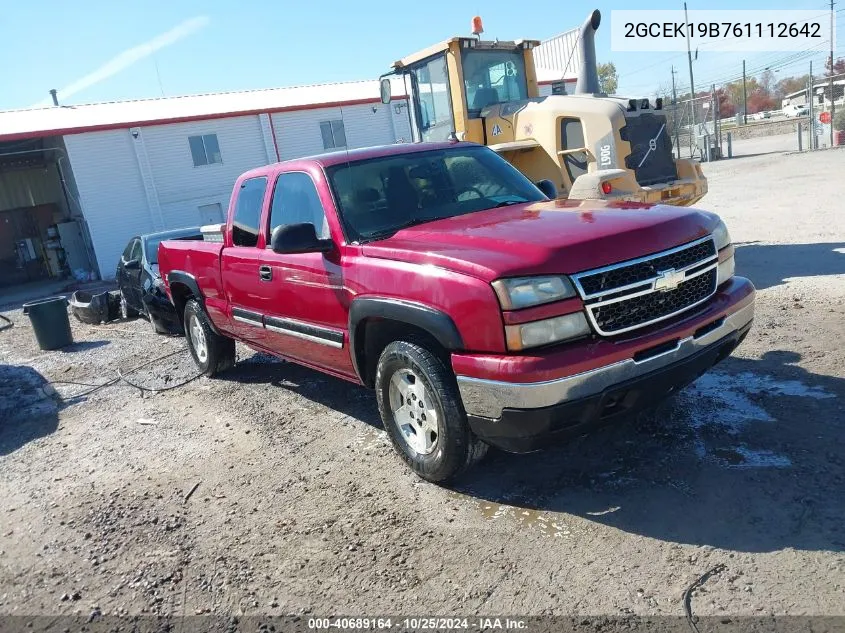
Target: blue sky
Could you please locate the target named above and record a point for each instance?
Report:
(229, 45)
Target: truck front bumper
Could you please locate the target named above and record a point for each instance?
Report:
(525, 416)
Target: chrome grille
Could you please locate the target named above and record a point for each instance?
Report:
(639, 292)
(625, 275)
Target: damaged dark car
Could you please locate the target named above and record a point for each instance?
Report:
(141, 287)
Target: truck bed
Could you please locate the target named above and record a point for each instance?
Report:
(200, 259)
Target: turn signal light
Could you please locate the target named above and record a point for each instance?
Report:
(606, 187)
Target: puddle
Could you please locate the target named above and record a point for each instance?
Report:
(547, 524)
(744, 457)
(730, 395)
(371, 439)
(731, 401)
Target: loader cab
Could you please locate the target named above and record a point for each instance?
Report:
(452, 83)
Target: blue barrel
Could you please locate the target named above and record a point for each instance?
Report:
(50, 322)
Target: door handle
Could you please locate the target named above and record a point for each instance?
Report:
(265, 273)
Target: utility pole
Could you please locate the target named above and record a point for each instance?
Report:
(744, 97)
(832, 106)
(717, 120)
(810, 99)
(675, 110)
(691, 81)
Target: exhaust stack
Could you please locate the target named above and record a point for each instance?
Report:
(588, 76)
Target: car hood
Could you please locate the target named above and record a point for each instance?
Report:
(561, 236)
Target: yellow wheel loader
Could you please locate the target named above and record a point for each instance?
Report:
(588, 145)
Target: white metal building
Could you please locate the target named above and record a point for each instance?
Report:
(110, 171)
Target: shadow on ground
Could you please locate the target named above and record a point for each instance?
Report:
(27, 410)
(748, 463)
(82, 346)
(770, 265)
(749, 458)
(337, 394)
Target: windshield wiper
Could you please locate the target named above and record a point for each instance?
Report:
(507, 203)
(395, 229)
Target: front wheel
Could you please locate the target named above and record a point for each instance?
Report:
(212, 352)
(421, 409)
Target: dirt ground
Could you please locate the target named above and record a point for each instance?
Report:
(300, 506)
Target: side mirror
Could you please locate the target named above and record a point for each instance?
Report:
(298, 238)
(386, 91)
(548, 188)
(132, 264)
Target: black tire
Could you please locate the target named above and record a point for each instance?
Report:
(219, 352)
(126, 311)
(456, 448)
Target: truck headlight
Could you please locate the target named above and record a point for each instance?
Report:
(721, 236)
(524, 292)
(547, 331)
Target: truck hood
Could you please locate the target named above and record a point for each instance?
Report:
(561, 236)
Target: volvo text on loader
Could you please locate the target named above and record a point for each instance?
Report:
(589, 145)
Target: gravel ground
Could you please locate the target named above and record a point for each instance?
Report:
(299, 505)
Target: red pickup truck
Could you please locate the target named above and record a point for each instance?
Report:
(481, 311)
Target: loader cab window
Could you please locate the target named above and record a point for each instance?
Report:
(572, 138)
(491, 77)
(433, 104)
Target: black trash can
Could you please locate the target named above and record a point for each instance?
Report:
(50, 322)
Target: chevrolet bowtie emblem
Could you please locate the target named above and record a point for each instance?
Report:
(668, 279)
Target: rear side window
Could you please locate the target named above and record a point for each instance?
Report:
(248, 212)
(295, 200)
(572, 137)
(136, 250)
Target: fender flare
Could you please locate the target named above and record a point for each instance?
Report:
(437, 323)
(188, 280)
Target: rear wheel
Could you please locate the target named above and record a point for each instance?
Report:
(423, 414)
(212, 352)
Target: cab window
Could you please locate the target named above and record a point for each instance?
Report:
(296, 201)
(248, 212)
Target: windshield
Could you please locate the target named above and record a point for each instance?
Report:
(151, 244)
(493, 76)
(377, 197)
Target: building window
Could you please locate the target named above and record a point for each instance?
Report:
(334, 135)
(205, 149)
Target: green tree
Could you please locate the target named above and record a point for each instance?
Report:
(608, 80)
(734, 91)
